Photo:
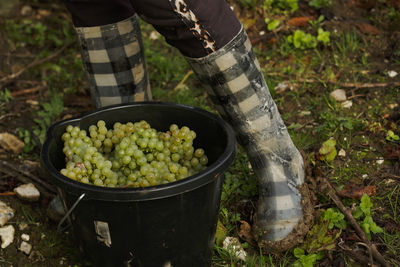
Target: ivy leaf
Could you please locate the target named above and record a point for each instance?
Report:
(273, 24)
(328, 151)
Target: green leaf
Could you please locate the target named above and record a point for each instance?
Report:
(328, 151)
(366, 204)
(323, 36)
(273, 24)
(298, 252)
(357, 213)
(375, 228)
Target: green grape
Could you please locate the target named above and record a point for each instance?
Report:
(130, 154)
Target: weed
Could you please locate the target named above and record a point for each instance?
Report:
(335, 218)
(44, 117)
(5, 96)
(392, 137)
(280, 5)
(364, 210)
(306, 260)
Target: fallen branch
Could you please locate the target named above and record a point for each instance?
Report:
(341, 84)
(182, 82)
(15, 75)
(391, 175)
(7, 194)
(5, 166)
(347, 212)
(26, 91)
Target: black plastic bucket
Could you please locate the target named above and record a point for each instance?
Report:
(167, 225)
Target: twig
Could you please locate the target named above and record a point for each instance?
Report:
(15, 75)
(341, 84)
(7, 115)
(374, 251)
(190, 72)
(391, 175)
(45, 185)
(7, 194)
(26, 91)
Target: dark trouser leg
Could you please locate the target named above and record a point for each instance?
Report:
(112, 51)
(217, 48)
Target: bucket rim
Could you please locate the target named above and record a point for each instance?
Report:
(118, 194)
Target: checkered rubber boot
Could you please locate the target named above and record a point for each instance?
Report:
(237, 87)
(114, 61)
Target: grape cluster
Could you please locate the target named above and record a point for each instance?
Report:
(130, 155)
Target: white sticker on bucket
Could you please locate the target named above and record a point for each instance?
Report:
(103, 232)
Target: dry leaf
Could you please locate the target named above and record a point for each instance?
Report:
(368, 28)
(357, 191)
(299, 21)
(11, 143)
(245, 232)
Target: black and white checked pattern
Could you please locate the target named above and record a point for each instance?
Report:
(114, 61)
(236, 85)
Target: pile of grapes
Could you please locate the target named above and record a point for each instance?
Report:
(130, 155)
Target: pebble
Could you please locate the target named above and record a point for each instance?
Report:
(347, 104)
(392, 73)
(25, 237)
(6, 213)
(233, 245)
(22, 226)
(7, 235)
(25, 247)
(339, 95)
(27, 192)
(342, 153)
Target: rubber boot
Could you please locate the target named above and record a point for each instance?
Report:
(237, 87)
(114, 62)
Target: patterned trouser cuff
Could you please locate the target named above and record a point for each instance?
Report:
(114, 61)
(236, 85)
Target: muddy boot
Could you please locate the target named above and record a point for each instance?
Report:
(237, 87)
(114, 62)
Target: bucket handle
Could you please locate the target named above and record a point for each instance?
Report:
(69, 212)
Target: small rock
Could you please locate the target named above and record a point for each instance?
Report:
(342, 153)
(283, 86)
(347, 104)
(22, 226)
(6, 213)
(261, 33)
(393, 106)
(154, 35)
(392, 73)
(56, 210)
(25, 247)
(7, 235)
(25, 237)
(27, 192)
(26, 10)
(305, 113)
(364, 176)
(32, 102)
(11, 142)
(339, 95)
(233, 245)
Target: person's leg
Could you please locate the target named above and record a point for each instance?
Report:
(216, 46)
(112, 50)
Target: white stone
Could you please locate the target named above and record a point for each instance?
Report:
(25, 237)
(154, 35)
(27, 192)
(26, 10)
(339, 95)
(364, 176)
(305, 113)
(261, 33)
(347, 104)
(6, 213)
(283, 86)
(392, 73)
(25, 247)
(380, 161)
(393, 106)
(342, 153)
(232, 245)
(7, 235)
(22, 226)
